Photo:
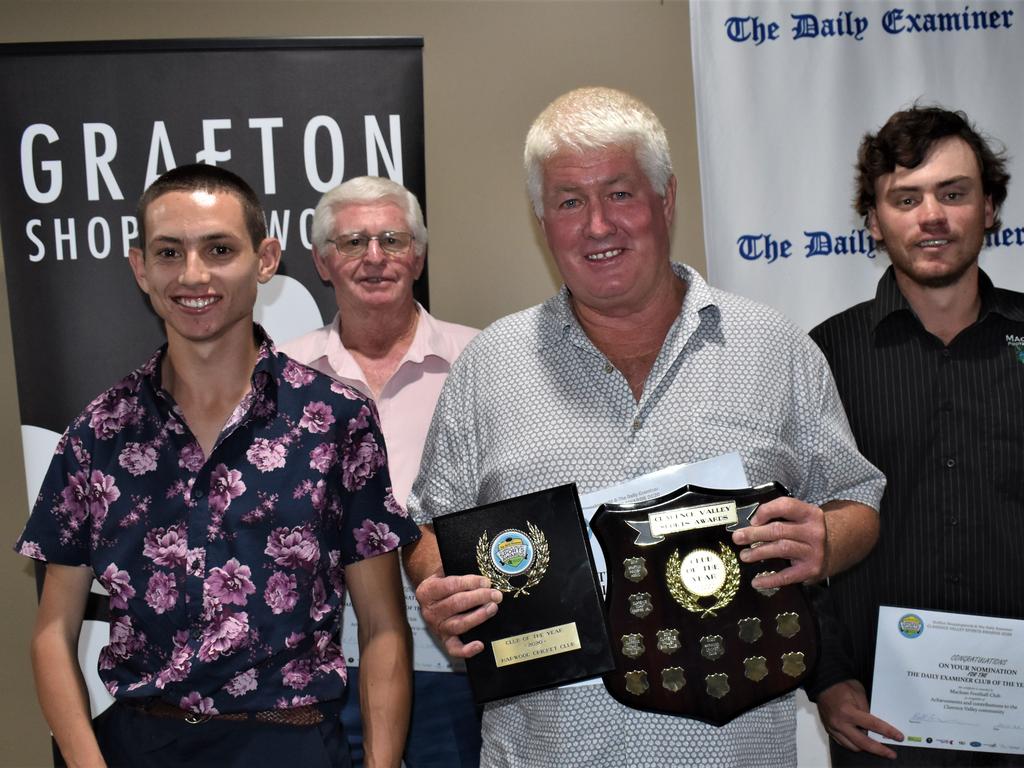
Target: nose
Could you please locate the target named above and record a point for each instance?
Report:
(374, 253)
(193, 271)
(931, 212)
(599, 225)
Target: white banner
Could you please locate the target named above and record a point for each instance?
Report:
(786, 90)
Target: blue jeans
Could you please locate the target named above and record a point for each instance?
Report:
(444, 731)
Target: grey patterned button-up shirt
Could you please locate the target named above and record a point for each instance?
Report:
(532, 403)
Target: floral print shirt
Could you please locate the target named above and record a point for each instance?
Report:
(225, 573)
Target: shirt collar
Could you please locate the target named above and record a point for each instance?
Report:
(562, 320)
(265, 371)
(889, 300)
(428, 341)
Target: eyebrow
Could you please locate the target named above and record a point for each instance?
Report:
(203, 239)
(603, 182)
(918, 187)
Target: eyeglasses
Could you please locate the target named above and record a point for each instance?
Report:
(355, 244)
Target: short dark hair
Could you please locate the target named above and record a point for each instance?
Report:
(205, 178)
(907, 137)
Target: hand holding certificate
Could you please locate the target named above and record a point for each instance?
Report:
(951, 681)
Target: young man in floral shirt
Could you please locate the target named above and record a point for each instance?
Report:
(225, 496)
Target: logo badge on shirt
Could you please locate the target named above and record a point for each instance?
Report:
(1016, 343)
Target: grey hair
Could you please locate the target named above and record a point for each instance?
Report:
(596, 118)
(368, 189)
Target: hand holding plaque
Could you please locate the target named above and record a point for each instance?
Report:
(690, 634)
(549, 628)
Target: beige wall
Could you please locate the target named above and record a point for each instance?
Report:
(489, 68)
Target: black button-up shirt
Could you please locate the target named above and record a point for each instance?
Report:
(946, 426)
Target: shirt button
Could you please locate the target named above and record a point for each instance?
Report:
(608, 367)
(946, 352)
(953, 521)
(636, 424)
(197, 493)
(950, 463)
(197, 633)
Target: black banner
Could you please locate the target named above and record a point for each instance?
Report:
(85, 127)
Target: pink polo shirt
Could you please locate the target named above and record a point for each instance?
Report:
(406, 404)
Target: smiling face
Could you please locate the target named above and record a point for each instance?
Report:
(377, 280)
(933, 218)
(199, 267)
(608, 229)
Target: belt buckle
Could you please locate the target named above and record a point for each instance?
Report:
(195, 719)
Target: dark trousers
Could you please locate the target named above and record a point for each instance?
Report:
(129, 737)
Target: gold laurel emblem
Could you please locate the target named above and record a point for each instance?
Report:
(690, 601)
(501, 582)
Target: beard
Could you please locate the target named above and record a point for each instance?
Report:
(908, 268)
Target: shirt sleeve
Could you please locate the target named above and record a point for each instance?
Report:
(373, 522)
(831, 466)
(71, 504)
(835, 653)
(448, 479)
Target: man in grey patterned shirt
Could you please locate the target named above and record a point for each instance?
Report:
(635, 365)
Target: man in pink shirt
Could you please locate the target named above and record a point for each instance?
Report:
(370, 242)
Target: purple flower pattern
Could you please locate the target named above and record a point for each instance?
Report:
(118, 584)
(161, 592)
(266, 455)
(138, 459)
(374, 539)
(281, 595)
(317, 417)
(230, 585)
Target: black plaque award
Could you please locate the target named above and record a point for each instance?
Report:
(690, 635)
(549, 629)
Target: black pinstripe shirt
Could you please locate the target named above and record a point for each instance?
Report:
(946, 426)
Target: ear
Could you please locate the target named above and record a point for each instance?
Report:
(269, 255)
(668, 203)
(873, 228)
(319, 261)
(990, 212)
(138, 264)
(419, 260)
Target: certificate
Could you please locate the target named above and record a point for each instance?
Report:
(950, 680)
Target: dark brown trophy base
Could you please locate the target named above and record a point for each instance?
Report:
(707, 657)
(549, 629)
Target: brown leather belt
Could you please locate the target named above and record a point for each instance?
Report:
(295, 716)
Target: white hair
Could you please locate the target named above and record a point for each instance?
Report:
(363, 190)
(596, 118)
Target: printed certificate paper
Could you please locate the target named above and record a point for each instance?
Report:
(950, 680)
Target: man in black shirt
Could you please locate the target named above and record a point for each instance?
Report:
(931, 373)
